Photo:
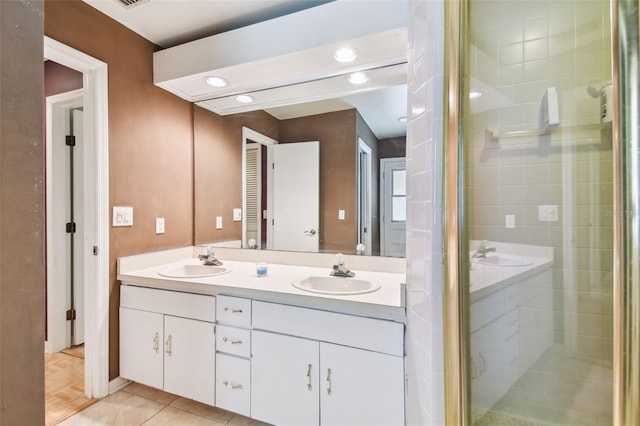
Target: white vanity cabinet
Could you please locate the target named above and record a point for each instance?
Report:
(312, 367)
(167, 341)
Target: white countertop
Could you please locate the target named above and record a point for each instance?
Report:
(387, 302)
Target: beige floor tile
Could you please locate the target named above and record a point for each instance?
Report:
(203, 410)
(170, 416)
(153, 394)
(118, 409)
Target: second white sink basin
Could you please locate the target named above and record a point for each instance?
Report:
(503, 260)
(336, 285)
(193, 271)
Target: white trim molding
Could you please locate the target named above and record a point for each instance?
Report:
(96, 211)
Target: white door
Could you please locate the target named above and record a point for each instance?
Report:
(393, 206)
(79, 237)
(296, 196)
(359, 387)
(189, 358)
(253, 193)
(364, 196)
(284, 379)
(141, 350)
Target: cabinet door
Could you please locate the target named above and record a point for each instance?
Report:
(141, 347)
(284, 379)
(189, 358)
(360, 387)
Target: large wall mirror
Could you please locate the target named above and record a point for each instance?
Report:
(315, 166)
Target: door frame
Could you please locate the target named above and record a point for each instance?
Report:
(249, 134)
(58, 329)
(96, 211)
(365, 189)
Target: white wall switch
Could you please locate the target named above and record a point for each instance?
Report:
(159, 225)
(237, 215)
(548, 213)
(122, 216)
(510, 221)
(340, 214)
(218, 222)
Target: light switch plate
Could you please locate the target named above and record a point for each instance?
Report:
(548, 213)
(159, 225)
(122, 216)
(218, 222)
(237, 215)
(340, 214)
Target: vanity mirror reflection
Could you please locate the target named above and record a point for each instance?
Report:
(353, 139)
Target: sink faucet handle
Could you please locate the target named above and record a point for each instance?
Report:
(340, 259)
(483, 244)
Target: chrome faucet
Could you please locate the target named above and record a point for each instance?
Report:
(209, 257)
(339, 268)
(482, 249)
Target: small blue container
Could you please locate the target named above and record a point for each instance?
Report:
(262, 269)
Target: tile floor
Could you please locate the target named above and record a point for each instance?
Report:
(137, 405)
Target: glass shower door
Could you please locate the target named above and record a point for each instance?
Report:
(539, 216)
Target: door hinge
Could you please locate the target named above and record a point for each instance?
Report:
(95, 250)
(71, 314)
(70, 140)
(71, 228)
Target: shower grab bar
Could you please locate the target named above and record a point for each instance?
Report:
(493, 136)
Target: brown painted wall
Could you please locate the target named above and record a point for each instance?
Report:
(22, 273)
(60, 79)
(218, 169)
(150, 141)
(336, 132)
(392, 147)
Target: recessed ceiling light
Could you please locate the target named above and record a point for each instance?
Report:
(345, 54)
(216, 81)
(358, 78)
(474, 94)
(244, 99)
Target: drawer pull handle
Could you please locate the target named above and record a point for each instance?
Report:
(309, 387)
(168, 346)
(329, 380)
(233, 311)
(233, 342)
(233, 387)
(483, 363)
(156, 343)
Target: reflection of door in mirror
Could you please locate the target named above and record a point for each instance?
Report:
(393, 197)
(255, 197)
(364, 196)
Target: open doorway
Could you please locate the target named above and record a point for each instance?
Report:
(94, 254)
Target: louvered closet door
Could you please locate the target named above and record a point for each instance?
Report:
(253, 192)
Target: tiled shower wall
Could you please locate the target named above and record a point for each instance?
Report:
(424, 340)
(519, 50)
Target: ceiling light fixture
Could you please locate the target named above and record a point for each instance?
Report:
(244, 99)
(216, 81)
(358, 78)
(345, 54)
(474, 94)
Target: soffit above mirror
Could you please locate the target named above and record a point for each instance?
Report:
(291, 49)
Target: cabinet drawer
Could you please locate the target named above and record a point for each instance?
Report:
(349, 330)
(233, 381)
(234, 311)
(232, 340)
(185, 305)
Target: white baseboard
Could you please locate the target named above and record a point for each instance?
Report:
(117, 384)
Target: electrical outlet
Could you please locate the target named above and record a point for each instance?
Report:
(340, 214)
(159, 225)
(510, 221)
(237, 215)
(218, 222)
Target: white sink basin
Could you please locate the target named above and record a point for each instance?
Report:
(193, 271)
(502, 260)
(336, 285)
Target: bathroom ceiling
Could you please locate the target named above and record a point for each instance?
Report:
(167, 23)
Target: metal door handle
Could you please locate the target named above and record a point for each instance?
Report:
(311, 232)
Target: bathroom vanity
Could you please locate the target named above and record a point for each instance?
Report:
(262, 347)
